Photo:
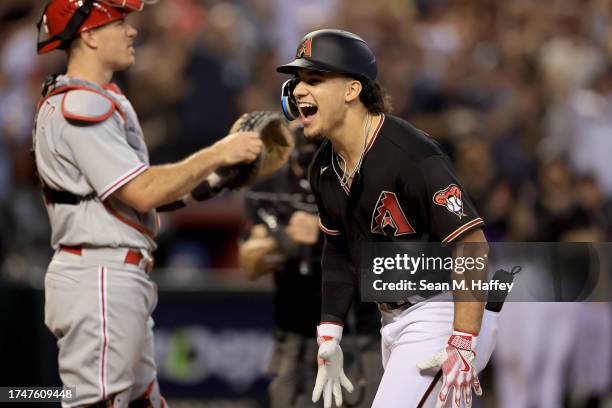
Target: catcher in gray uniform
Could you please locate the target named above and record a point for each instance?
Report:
(101, 195)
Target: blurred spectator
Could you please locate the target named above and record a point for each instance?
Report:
(588, 126)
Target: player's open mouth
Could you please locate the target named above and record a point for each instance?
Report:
(308, 111)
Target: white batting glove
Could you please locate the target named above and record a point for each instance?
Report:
(330, 376)
(458, 369)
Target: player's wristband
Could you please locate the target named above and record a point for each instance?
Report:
(463, 340)
(329, 331)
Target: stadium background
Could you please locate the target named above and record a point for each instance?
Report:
(518, 92)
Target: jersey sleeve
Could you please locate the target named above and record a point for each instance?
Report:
(327, 224)
(450, 211)
(103, 155)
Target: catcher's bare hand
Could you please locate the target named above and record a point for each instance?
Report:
(303, 228)
(238, 147)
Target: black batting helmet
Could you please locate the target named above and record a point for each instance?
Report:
(327, 50)
(332, 50)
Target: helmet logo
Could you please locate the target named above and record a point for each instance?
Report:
(305, 49)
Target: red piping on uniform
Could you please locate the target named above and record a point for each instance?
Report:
(369, 146)
(124, 220)
(327, 230)
(104, 337)
(462, 229)
(111, 86)
(121, 180)
(346, 189)
(147, 393)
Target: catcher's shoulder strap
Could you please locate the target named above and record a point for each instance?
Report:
(87, 105)
(82, 101)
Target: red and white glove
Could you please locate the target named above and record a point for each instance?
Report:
(330, 376)
(458, 370)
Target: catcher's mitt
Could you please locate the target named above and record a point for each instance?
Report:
(278, 144)
(276, 137)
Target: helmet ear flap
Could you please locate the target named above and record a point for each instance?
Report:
(288, 103)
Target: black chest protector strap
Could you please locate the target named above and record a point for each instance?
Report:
(53, 196)
(64, 197)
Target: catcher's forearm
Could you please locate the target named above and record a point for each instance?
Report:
(469, 305)
(167, 183)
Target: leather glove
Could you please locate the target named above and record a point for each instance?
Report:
(278, 143)
(330, 375)
(456, 361)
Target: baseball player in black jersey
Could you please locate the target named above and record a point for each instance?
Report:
(282, 237)
(377, 178)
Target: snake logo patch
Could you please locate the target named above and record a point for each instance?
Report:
(388, 217)
(450, 198)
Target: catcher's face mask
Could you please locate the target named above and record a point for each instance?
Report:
(63, 20)
(288, 103)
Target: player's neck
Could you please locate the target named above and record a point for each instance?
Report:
(350, 139)
(89, 69)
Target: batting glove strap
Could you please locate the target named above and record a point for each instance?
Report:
(328, 331)
(462, 340)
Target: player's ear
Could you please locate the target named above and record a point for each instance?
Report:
(353, 89)
(89, 38)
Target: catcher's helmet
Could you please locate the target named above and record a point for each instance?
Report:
(333, 50)
(63, 20)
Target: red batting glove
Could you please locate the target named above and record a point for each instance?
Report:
(458, 370)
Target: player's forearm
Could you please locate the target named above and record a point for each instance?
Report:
(469, 305)
(468, 316)
(164, 184)
(339, 283)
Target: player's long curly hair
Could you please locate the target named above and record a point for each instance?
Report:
(374, 97)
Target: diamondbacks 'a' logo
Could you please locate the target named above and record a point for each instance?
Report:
(305, 49)
(388, 217)
(450, 198)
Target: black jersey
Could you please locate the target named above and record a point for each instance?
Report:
(297, 298)
(405, 190)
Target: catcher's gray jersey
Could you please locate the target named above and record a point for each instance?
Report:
(88, 142)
